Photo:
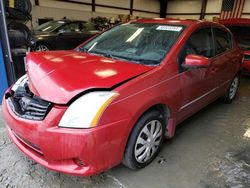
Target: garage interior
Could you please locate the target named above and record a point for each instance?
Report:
(210, 149)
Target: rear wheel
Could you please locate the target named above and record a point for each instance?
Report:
(232, 91)
(145, 140)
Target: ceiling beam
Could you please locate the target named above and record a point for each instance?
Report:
(93, 5)
(203, 9)
(163, 8)
(37, 2)
(131, 7)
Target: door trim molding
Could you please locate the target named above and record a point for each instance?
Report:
(202, 96)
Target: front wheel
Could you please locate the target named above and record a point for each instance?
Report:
(232, 91)
(145, 140)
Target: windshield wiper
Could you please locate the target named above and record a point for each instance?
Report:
(112, 56)
(104, 54)
(82, 49)
(144, 61)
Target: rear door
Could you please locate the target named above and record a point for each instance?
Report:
(225, 57)
(197, 84)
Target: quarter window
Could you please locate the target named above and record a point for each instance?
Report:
(223, 41)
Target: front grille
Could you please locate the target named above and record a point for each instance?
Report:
(247, 57)
(26, 105)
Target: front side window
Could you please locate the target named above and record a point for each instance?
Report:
(144, 43)
(222, 40)
(50, 26)
(242, 36)
(199, 43)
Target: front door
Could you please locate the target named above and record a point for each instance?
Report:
(197, 84)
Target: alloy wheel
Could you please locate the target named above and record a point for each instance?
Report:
(41, 47)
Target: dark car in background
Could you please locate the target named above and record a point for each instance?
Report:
(240, 27)
(62, 35)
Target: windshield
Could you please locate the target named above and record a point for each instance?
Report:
(49, 26)
(144, 43)
(242, 35)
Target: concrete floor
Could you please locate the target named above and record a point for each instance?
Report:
(209, 150)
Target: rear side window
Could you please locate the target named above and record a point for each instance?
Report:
(71, 27)
(87, 27)
(199, 43)
(223, 41)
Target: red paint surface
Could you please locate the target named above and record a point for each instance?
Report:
(59, 76)
(69, 73)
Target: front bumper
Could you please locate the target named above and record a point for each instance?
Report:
(73, 151)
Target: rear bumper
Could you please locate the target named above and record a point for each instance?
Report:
(82, 152)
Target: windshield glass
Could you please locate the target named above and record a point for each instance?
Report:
(49, 26)
(144, 43)
(242, 35)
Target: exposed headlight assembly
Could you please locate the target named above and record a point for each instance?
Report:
(20, 82)
(86, 111)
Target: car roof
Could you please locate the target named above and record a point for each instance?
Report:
(185, 22)
(68, 21)
(235, 21)
(181, 22)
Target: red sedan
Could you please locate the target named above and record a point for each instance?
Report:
(240, 27)
(116, 97)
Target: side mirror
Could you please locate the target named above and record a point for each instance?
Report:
(196, 61)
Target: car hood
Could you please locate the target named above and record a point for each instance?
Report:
(58, 76)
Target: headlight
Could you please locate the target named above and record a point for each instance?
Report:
(86, 111)
(20, 82)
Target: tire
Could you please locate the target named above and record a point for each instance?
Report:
(141, 149)
(15, 25)
(16, 38)
(232, 90)
(42, 47)
(20, 11)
